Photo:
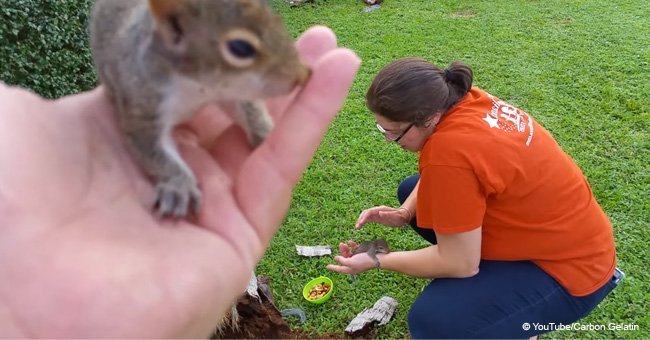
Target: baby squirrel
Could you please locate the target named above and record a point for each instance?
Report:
(378, 246)
(162, 60)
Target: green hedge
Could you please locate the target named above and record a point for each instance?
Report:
(44, 46)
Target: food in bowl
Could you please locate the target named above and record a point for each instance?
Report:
(318, 291)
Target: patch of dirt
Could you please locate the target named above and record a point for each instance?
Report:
(465, 13)
(563, 21)
(256, 320)
(260, 319)
(263, 321)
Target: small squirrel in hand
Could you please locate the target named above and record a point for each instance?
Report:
(378, 246)
(162, 60)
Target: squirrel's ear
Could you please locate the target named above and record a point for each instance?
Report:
(168, 16)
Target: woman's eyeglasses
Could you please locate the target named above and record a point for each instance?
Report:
(392, 137)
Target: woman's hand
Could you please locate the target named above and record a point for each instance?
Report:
(349, 263)
(392, 217)
(81, 253)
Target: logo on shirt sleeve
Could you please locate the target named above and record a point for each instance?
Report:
(510, 119)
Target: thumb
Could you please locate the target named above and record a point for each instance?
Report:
(344, 261)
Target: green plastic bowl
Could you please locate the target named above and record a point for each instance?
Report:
(314, 282)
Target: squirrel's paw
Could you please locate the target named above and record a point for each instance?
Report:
(177, 196)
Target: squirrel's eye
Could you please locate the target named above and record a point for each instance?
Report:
(241, 49)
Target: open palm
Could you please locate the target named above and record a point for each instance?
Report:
(81, 253)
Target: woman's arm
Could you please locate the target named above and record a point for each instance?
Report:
(455, 255)
(392, 217)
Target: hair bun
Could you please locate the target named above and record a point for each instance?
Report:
(460, 77)
(447, 74)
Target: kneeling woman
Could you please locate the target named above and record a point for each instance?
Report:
(517, 236)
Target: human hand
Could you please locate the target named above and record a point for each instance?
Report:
(82, 254)
(392, 217)
(349, 263)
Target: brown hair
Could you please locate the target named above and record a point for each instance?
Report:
(413, 89)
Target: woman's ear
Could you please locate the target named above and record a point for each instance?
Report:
(433, 120)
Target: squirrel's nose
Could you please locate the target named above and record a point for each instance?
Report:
(303, 75)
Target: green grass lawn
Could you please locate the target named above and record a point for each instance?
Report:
(581, 68)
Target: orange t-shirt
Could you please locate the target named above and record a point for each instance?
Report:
(490, 164)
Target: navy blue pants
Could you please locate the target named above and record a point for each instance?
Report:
(506, 299)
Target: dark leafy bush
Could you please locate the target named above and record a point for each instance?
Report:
(44, 46)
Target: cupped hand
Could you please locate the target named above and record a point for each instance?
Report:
(392, 217)
(82, 255)
(348, 263)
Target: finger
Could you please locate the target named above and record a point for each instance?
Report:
(231, 149)
(343, 261)
(363, 218)
(360, 221)
(219, 212)
(382, 208)
(311, 45)
(345, 249)
(375, 214)
(314, 43)
(208, 124)
(264, 185)
(368, 215)
(340, 269)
